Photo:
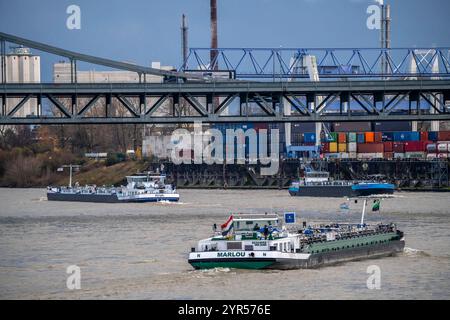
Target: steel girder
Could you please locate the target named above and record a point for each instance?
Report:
(75, 56)
(287, 63)
(227, 102)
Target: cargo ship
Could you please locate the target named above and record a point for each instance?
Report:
(139, 188)
(319, 184)
(250, 241)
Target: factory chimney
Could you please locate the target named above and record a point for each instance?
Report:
(385, 34)
(214, 44)
(184, 40)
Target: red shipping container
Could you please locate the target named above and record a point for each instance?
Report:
(388, 146)
(325, 147)
(370, 148)
(398, 147)
(414, 146)
(423, 136)
(342, 137)
(378, 137)
(444, 136)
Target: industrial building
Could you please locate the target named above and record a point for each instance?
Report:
(22, 67)
(62, 74)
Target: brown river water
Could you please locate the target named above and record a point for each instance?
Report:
(139, 251)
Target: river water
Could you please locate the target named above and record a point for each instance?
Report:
(139, 251)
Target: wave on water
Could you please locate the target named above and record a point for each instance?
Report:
(216, 270)
(40, 199)
(144, 261)
(411, 252)
(164, 202)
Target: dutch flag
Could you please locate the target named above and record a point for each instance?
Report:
(227, 227)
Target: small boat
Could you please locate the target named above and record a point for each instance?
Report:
(139, 188)
(250, 241)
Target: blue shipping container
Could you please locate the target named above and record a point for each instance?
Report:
(387, 136)
(433, 136)
(360, 138)
(407, 136)
(309, 137)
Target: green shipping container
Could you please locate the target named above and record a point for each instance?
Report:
(334, 136)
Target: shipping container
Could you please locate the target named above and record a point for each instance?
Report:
(398, 147)
(388, 155)
(407, 136)
(414, 155)
(442, 147)
(325, 147)
(444, 135)
(423, 136)
(352, 155)
(352, 137)
(433, 136)
(334, 136)
(303, 127)
(378, 137)
(392, 126)
(360, 138)
(332, 155)
(352, 147)
(431, 147)
(342, 147)
(431, 156)
(344, 155)
(333, 147)
(370, 148)
(443, 155)
(342, 137)
(377, 155)
(399, 155)
(388, 146)
(309, 137)
(352, 126)
(370, 137)
(414, 146)
(387, 136)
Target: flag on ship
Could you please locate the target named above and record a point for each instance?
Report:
(376, 205)
(227, 227)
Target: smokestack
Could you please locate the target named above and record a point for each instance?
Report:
(214, 44)
(387, 27)
(385, 34)
(184, 40)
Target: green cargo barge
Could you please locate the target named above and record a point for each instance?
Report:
(251, 246)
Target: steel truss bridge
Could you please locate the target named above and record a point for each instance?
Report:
(202, 94)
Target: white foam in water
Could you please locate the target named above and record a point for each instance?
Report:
(216, 270)
(414, 252)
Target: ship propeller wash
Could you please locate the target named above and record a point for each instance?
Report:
(262, 241)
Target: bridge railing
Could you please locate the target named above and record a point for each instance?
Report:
(332, 63)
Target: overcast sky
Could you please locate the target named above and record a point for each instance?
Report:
(141, 31)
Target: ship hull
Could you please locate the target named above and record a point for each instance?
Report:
(372, 189)
(322, 191)
(108, 198)
(285, 261)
